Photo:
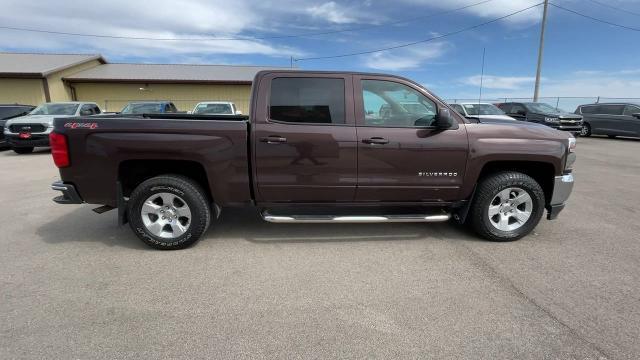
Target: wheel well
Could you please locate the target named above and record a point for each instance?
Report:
(133, 172)
(543, 173)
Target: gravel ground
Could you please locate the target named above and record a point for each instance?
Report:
(74, 285)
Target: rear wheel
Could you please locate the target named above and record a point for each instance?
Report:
(611, 136)
(169, 212)
(507, 206)
(585, 130)
(23, 150)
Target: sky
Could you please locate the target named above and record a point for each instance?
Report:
(582, 58)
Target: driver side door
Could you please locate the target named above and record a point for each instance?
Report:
(402, 157)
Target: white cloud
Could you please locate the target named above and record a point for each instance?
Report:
(331, 12)
(499, 82)
(406, 58)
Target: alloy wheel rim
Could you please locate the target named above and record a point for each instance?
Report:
(166, 215)
(510, 209)
(584, 130)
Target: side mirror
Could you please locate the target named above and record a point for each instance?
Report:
(444, 119)
(238, 112)
(636, 115)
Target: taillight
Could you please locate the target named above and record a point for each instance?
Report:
(59, 149)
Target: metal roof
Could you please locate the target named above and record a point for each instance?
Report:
(40, 65)
(169, 73)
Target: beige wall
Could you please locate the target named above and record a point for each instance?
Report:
(22, 91)
(58, 90)
(114, 96)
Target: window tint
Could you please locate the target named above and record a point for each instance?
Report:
(307, 100)
(591, 109)
(630, 110)
(86, 110)
(611, 109)
(387, 103)
(96, 109)
(7, 112)
(517, 109)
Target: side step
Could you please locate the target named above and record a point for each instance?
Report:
(321, 219)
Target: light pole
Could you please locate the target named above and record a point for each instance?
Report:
(536, 92)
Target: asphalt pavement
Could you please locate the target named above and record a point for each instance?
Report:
(74, 285)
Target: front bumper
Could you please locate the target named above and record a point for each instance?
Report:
(14, 140)
(69, 193)
(562, 187)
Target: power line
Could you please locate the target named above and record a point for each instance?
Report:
(421, 41)
(615, 8)
(594, 18)
(329, 32)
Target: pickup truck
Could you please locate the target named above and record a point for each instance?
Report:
(316, 150)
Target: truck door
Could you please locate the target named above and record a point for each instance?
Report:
(304, 138)
(401, 156)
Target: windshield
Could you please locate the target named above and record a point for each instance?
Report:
(7, 112)
(141, 108)
(541, 108)
(224, 109)
(482, 109)
(55, 109)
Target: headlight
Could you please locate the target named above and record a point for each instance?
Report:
(572, 144)
(552, 120)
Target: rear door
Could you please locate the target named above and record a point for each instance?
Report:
(401, 156)
(304, 138)
(610, 117)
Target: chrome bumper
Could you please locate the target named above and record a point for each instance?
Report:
(562, 187)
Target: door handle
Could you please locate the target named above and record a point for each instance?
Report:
(376, 141)
(273, 139)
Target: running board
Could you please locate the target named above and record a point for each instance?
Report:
(320, 219)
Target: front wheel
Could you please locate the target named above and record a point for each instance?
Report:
(507, 206)
(169, 212)
(585, 130)
(23, 150)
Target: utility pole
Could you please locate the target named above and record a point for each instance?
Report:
(536, 92)
(481, 78)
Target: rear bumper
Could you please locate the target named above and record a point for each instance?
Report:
(69, 193)
(33, 141)
(563, 185)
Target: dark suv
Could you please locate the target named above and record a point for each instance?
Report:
(10, 111)
(543, 114)
(620, 119)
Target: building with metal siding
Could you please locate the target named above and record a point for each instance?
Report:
(65, 77)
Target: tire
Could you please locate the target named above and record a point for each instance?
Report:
(168, 195)
(586, 130)
(488, 194)
(23, 150)
(611, 136)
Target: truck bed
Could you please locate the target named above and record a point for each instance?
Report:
(105, 150)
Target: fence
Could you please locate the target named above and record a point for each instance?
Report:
(182, 105)
(566, 103)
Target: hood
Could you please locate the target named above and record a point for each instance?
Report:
(516, 130)
(36, 119)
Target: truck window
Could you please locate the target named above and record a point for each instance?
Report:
(590, 109)
(387, 103)
(458, 108)
(307, 100)
(611, 109)
(518, 109)
(630, 110)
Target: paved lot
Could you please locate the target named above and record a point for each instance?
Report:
(73, 285)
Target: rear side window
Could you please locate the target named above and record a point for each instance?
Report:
(611, 109)
(630, 110)
(307, 100)
(592, 109)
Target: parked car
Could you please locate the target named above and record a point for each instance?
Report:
(619, 119)
(150, 107)
(10, 111)
(216, 108)
(26, 132)
(542, 113)
(304, 156)
(480, 111)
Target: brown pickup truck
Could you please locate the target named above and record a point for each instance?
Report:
(318, 147)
